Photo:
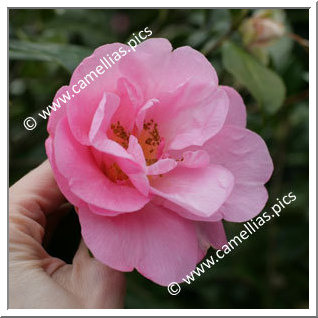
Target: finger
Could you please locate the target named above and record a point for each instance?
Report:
(32, 198)
(37, 189)
(34, 290)
(97, 285)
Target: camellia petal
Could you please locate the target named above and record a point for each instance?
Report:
(162, 166)
(245, 154)
(236, 115)
(86, 180)
(150, 68)
(211, 233)
(91, 87)
(59, 113)
(192, 189)
(186, 125)
(131, 241)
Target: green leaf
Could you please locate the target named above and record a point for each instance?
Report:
(264, 84)
(68, 56)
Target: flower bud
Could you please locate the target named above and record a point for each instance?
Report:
(261, 31)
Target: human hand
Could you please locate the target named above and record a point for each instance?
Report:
(38, 280)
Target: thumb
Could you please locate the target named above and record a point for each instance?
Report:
(95, 284)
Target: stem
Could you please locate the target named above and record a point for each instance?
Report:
(301, 41)
(235, 25)
(296, 98)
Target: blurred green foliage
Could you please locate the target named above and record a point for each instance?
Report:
(270, 269)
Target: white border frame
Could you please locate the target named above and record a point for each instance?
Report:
(312, 164)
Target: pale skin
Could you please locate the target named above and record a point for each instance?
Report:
(38, 280)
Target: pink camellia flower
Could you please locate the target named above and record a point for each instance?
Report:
(154, 154)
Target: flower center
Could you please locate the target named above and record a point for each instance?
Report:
(114, 173)
(119, 134)
(149, 139)
(109, 167)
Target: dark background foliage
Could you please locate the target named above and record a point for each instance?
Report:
(270, 269)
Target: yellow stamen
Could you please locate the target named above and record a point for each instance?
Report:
(149, 139)
(119, 134)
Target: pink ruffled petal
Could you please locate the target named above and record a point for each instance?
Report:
(154, 60)
(77, 164)
(59, 178)
(139, 179)
(237, 111)
(103, 115)
(211, 233)
(136, 151)
(131, 161)
(160, 201)
(91, 86)
(101, 211)
(131, 241)
(60, 112)
(100, 123)
(198, 113)
(131, 99)
(142, 113)
(215, 217)
(195, 159)
(141, 182)
(161, 166)
(200, 191)
(245, 154)
(102, 145)
(245, 202)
